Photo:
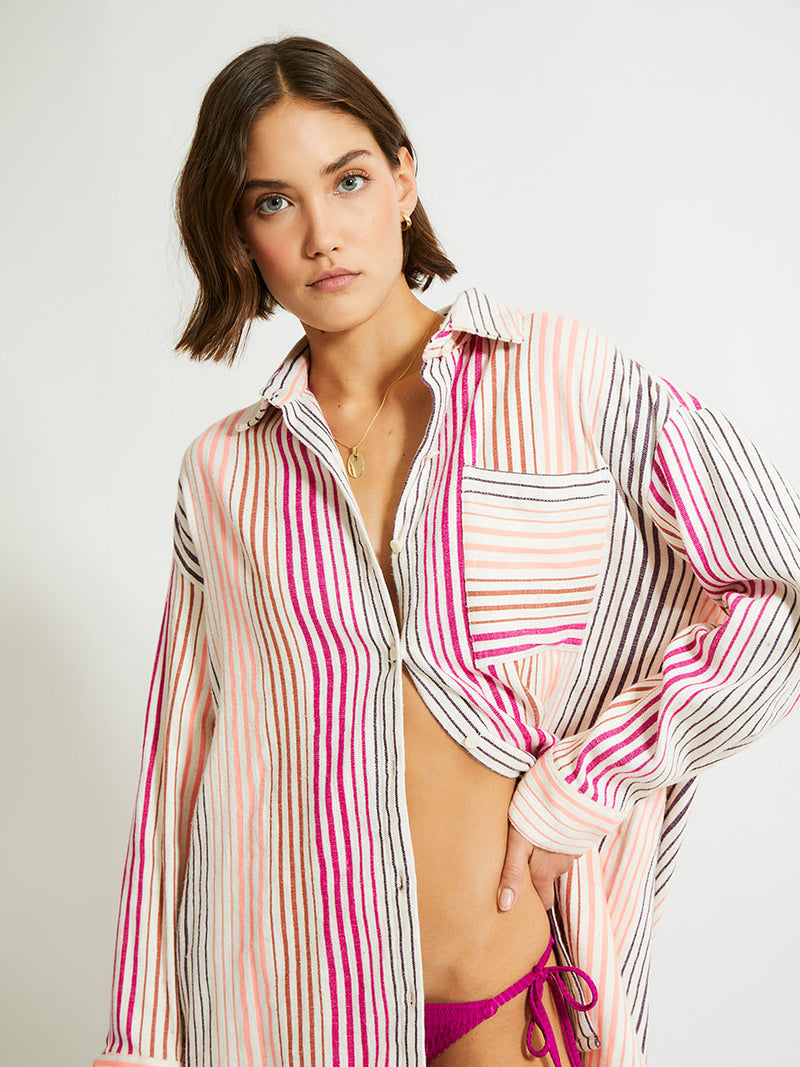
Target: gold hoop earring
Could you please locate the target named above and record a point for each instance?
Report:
(405, 222)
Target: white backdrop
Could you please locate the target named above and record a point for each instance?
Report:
(634, 165)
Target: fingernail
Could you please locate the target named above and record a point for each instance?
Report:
(506, 899)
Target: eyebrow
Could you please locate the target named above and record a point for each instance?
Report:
(328, 169)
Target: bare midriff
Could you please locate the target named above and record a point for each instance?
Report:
(458, 810)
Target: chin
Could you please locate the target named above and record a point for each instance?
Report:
(339, 312)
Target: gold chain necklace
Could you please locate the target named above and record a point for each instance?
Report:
(355, 461)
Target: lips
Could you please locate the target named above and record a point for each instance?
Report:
(333, 280)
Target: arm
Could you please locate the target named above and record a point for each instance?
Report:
(145, 1018)
(718, 505)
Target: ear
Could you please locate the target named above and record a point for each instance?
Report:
(406, 182)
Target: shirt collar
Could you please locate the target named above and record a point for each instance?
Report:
(475, 313)
(472, 312)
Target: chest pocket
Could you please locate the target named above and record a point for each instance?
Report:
(534, 545)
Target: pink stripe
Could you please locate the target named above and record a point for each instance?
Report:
(468, 375)
(555, 406)
(218, 442)
(637, 726)
(336, 536)
(574, 405)
(533, 631)
(294, 562)
(675, 492)
(684, 399)
(243, 782)
(143, 832)
(258, 484)
(662, 501)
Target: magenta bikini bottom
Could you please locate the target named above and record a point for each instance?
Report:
(446, 1023)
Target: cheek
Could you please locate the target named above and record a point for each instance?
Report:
(381, 228)
(388, 215)
(272, 257)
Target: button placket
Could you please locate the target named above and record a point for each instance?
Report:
(408, 516)
(411, 508)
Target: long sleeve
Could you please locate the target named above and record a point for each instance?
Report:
(145, 1017)
(715, 503)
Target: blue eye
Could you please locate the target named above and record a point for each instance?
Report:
(351, 183)
(271, 205)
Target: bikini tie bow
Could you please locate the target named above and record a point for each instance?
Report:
(563, 999)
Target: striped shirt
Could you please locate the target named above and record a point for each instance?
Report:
(598, 582)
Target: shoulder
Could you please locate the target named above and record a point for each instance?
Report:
(215, 438)
(222, 440)
(207, 456)
(568, 346)
(569, 362)
(542, 334)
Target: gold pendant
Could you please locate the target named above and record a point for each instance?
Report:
(355, 464)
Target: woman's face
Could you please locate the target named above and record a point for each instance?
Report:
(320, 213)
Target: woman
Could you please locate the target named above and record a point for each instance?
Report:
(458, 609)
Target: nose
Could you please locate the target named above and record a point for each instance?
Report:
(321, 233)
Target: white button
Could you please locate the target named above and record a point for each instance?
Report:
(395, 545)
(401, 883)
(392, 652)
(274, 396)
(471, 740)
(392, 768)
(432, 454)
(411, 997)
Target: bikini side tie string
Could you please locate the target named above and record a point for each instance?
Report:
(552, 976)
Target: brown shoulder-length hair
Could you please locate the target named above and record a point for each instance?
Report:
(232, 292)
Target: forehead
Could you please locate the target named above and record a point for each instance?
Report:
(297, 136)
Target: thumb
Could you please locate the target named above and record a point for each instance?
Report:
(515, 869)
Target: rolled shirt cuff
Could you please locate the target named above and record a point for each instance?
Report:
(555, 816)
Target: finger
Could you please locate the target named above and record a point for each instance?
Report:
(515, 869)
(544, 886)
(545, 868)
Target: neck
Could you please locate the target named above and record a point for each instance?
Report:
(355, 366)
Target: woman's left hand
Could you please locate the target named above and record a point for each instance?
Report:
(544, 868)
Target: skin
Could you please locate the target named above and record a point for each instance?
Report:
(316, 223)
(299, 218)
